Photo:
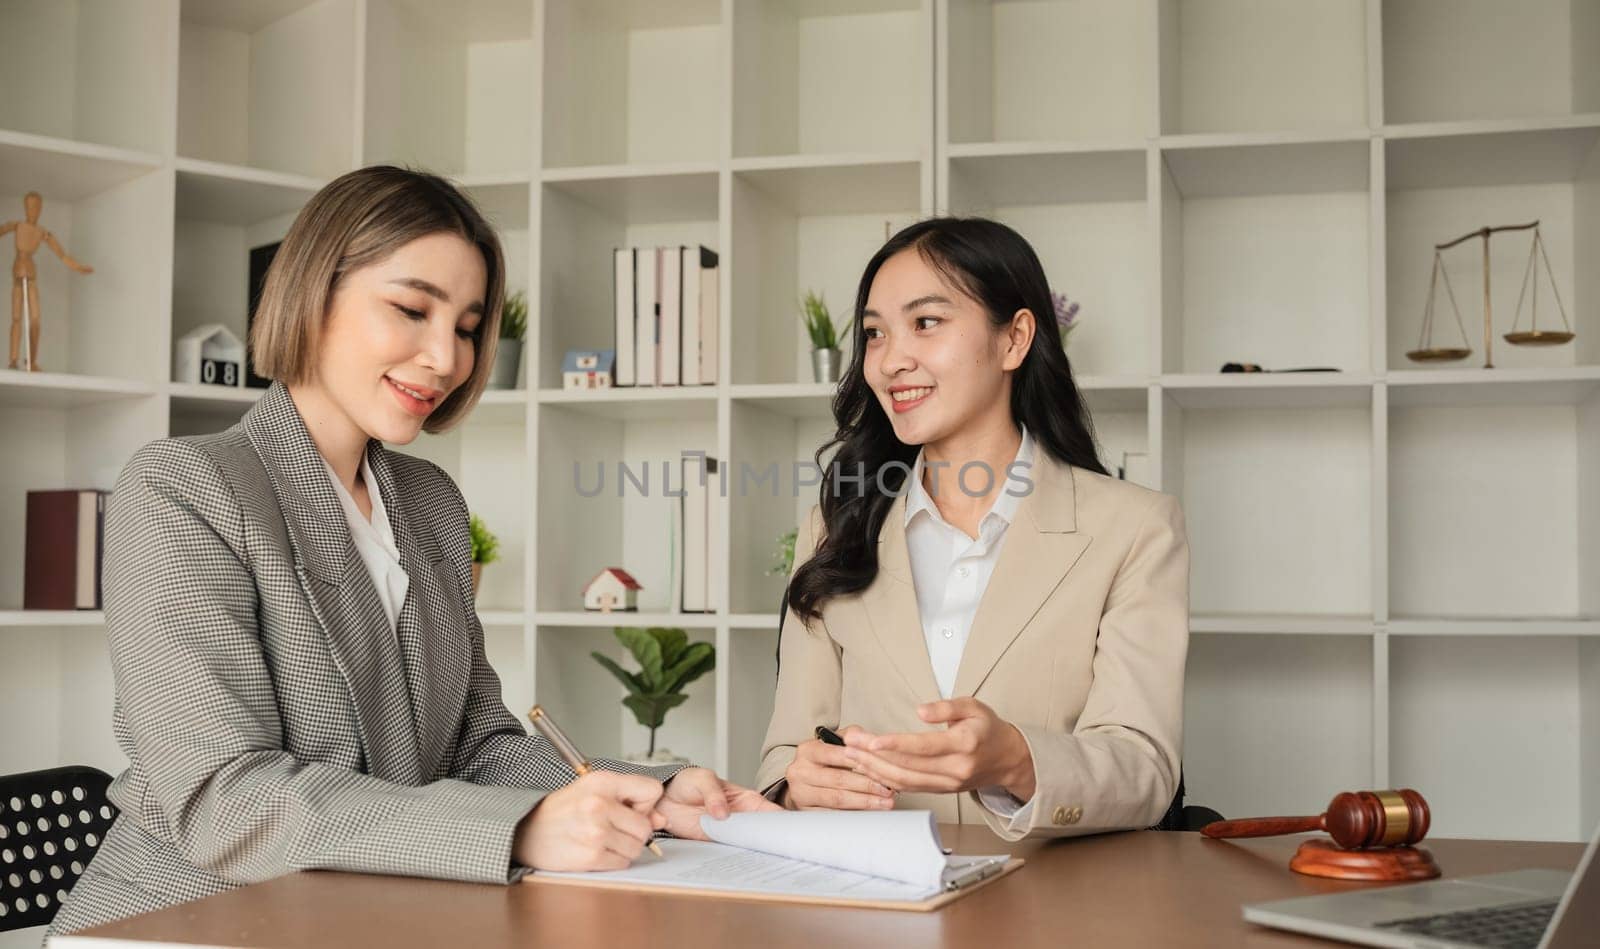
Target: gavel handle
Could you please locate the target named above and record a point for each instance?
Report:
(1262, 826)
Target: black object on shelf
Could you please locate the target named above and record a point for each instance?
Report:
(1252, 367)
(260, 260)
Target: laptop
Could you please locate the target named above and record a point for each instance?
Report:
(1534, 909)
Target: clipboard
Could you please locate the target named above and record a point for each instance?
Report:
(962, 887)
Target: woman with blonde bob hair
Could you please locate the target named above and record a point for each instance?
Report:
(300, 673)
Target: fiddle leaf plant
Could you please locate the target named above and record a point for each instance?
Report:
(667, 663)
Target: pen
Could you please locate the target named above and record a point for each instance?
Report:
(569, 752)
(828, 736)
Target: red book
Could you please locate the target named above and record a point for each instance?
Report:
(61, 568)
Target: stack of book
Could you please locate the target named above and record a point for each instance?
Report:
(702, 481)
(666, 316)
(64, 549)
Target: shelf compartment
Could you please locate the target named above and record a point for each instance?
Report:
(1253, 65)
(594, 217)
(587, 524)
(221, 213)
(69, 445)
(834, 76)
(1255, 483)
(627, 82)
(107, 323)
(587, 701)
(1452, 554)
(88, 71)
(1007, 58)
(446, 89)
(1441, 186)
(483, 457)
(791, 234)
(1266, 255)
(1086, 217)
(269, 86)
(1277, 690)
(771, 490)
(1478, 59)
(1441, 731)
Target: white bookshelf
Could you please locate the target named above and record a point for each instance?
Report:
(1396, 569)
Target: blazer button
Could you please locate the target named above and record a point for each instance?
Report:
(1075, 815)
(1061, 815)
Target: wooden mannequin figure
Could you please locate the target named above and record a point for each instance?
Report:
(25, 280)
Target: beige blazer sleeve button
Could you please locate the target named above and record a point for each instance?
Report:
(1060, 816)
(1075, 815)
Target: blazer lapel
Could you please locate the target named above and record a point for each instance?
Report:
(1040, 547)
(336, 585)
(891, 607)
(432, 624)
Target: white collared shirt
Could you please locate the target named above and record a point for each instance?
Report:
(951, 571)
(375, 543)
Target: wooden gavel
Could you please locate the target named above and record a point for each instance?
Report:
(1356, 820)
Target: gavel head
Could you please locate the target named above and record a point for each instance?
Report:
(1358, 820)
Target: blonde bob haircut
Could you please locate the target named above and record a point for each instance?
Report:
(357, 220)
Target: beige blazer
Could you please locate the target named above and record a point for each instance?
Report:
(1080, 641)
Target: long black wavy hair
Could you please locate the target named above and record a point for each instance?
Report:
(995, 266)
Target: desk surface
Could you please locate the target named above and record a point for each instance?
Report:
(1137, 889)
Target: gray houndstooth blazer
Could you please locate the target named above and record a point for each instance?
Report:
(271, 719)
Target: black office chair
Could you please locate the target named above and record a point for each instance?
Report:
(51, 823)
(1177, 817)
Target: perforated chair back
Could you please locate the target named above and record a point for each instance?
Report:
(51, 823)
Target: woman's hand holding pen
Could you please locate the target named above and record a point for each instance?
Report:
(977, 749)
(823, 776)
(601, 821)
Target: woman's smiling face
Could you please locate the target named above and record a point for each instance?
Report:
(933, 357)
(400, 335)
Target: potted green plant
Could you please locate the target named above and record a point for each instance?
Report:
(485, 549)
(508, 356)
(667, 663)
(824, 337)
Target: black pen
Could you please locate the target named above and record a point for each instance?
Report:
(828, 736)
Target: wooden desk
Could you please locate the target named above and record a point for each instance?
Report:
(1137, 889)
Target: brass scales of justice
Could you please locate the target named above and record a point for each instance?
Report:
(1534, 336)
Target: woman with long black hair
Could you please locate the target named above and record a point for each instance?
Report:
(1000, 627)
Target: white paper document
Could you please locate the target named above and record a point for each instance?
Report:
(847, 855)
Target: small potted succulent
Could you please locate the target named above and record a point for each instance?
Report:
(824, 337)
(485, 549)
(508, 355)
(667, 663)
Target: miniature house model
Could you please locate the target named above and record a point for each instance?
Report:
(587, 369)
(611, 589)
(209, 354)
